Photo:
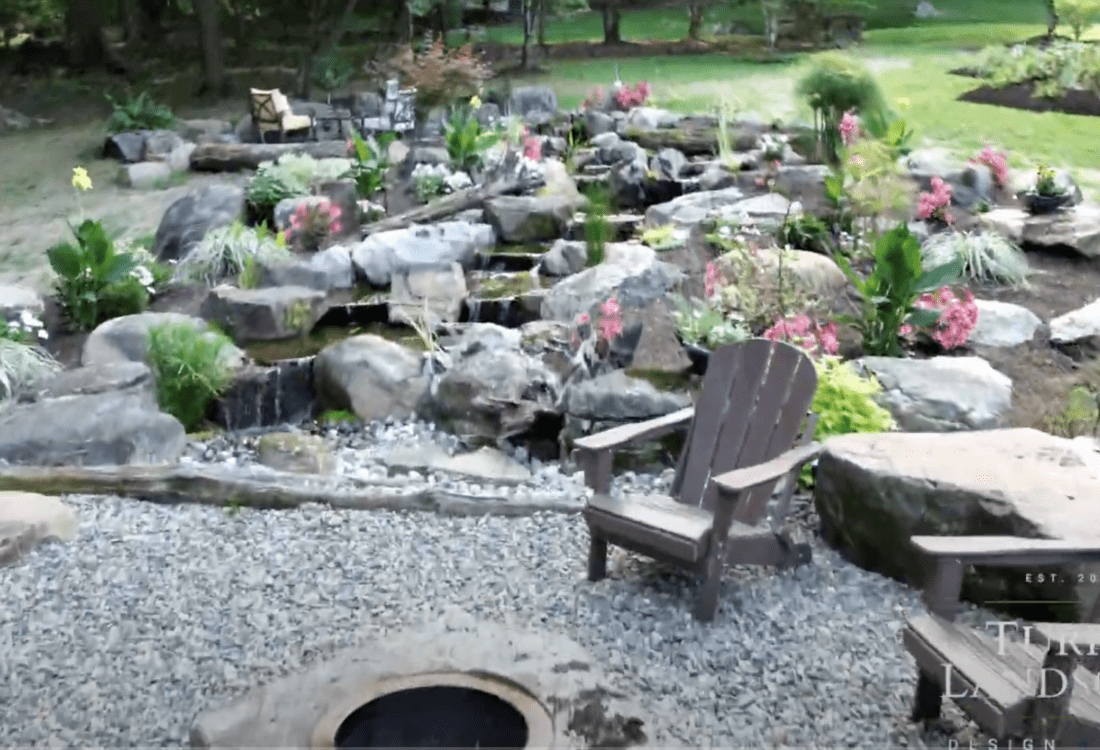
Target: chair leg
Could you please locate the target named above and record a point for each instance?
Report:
(928, 699)
(597, 557)
(706, 600)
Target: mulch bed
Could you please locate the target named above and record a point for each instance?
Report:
(1021, 96)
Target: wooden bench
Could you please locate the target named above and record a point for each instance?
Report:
(996, 679)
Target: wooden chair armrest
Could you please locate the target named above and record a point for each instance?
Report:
(737, 481)
(627, 434)
(951, 554)
(1009, 550)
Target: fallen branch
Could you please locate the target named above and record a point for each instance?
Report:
(234, 157)
(448, 205)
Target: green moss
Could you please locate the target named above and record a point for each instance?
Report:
(662, 380)
(511, 285)
(266, 352)
(336, 416)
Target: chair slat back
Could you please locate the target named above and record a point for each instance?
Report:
(755, 397)
(264, 109)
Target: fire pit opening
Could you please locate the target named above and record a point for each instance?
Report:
(453, 710)
(439, 716)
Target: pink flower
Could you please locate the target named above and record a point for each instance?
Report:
(997, 161)
(905, 329)
(957, 316)
(629, 97)
(532, 148)
(582, 319)
(712, 280)
(934, 205)
(611, 321)
(351, 147)
(801, 331)
(336, 227)
(849, 128)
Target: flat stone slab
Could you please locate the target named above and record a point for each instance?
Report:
(560, 674)
(874, 491)
(1077, 227)
(27, 518)
(485, 463)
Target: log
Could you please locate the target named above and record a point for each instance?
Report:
(448, 205)
(234, 157)
(691, 142)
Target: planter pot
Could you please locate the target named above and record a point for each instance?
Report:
(699, 357)
(1045, 204)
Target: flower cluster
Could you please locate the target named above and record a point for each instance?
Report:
(594, 99)
(629, 97)
(532, 146)
(608, 326)
(997, 161)
(770, 175)
(957, 317)
(801, 331)
(849, 128)
(25, 329)
(314, 221)
(934, 205)
(713, 281)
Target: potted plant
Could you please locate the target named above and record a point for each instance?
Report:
(1047, 196)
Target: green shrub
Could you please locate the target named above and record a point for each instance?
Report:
(806, 232)
(223, 252)
(836, 84)
(20, 363)
(331, 71)
(86, 270)
(597, 229)
(127, 297)
(1059, 67)
(427, 186)
(265, 190)
(986, 257)
(139, 112)
(371, 163)
(189, 369)
(844, 402)
(299, 172)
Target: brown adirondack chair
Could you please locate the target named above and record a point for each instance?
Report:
(756, 395)
(997, 683)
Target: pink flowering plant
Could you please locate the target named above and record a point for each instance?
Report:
(997, 161)
(313, 223)
(891, 291)
(849, 128)
(592, 341)
(933, 206)
(957, 317)
(815, 339)
(629, 97)
(594, 100)
(532, 146)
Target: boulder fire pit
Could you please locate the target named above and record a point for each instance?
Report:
(456, 683)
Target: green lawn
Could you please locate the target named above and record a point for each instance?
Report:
(911, 63)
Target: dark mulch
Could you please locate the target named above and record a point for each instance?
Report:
(1021, 96)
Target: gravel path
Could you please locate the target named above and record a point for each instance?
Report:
(155, 612)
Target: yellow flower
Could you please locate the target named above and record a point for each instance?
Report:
(81, 180)
(475, 102)
(904, 103)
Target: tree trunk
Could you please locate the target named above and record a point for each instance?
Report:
(695, 19)
(611, 33)
(313, 42)
(213, 48)
(84, 34)
(525, 53)
(541, 22)
(336, 34)
(1052, 19)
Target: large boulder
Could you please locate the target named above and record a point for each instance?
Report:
(730, 203)
(875, 491)
(370, 376)
(109, 428)
(188, 220)
(377, 258)
(27, 518)
(536, 105)
(1077, 228)
(266, 314)
(529, 218)
(616, 397)
(979, 397)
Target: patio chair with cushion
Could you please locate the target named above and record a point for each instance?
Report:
(271, 113)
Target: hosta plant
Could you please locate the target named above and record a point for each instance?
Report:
(370, 162)
(86, 270)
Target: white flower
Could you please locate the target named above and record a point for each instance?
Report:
(142, 274)
(42, 334)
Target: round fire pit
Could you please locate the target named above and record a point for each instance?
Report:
(437, 709)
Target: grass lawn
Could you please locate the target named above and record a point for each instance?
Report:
(910, 62)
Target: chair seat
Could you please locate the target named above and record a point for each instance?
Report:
(658, 521)
(1005, 681)
(292, 121)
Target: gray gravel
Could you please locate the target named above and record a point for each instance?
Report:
(155, 612)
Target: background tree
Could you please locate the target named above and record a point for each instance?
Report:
(213, 47)
(610, 10)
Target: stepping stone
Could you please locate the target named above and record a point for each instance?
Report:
(27, 518)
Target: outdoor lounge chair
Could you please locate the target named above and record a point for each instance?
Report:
(1000, 688)
(756, 396)
(271, 113)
